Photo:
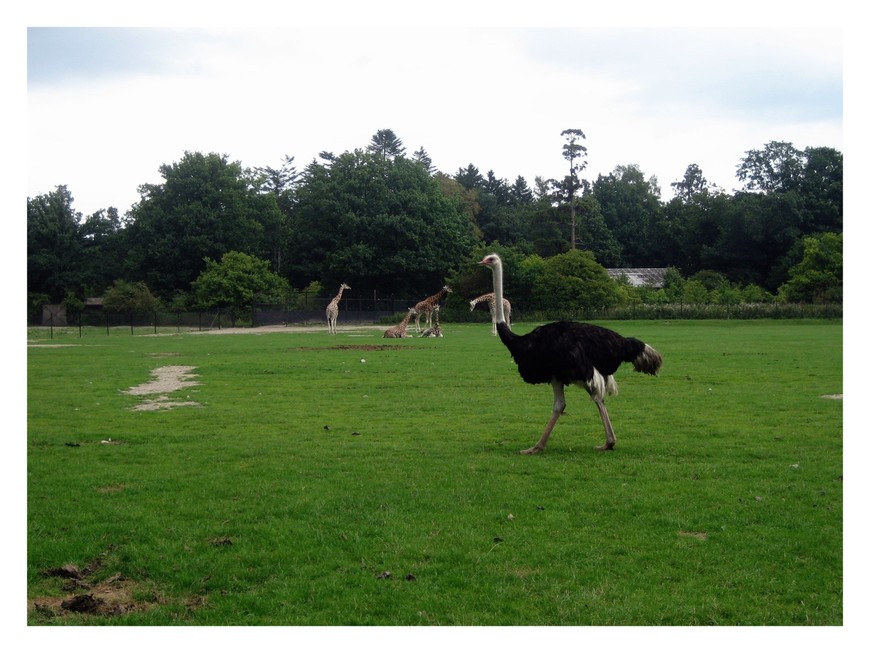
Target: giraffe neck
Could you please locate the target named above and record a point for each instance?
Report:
(483, 298)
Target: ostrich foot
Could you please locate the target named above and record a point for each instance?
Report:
(607, 446)
(532, 450)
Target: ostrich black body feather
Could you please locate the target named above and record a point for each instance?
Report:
(568, 352)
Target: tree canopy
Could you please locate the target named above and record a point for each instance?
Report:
(393, 224)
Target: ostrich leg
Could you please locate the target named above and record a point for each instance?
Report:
(558, 409)
(608, 428)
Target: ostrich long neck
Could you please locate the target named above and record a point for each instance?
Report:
(499, 293)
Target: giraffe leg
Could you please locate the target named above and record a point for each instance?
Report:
(608, 427)
(558, 409)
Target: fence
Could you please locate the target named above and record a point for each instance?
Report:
(137, 322)
(312, 310)
(307, 310)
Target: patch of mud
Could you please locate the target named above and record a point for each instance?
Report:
(84, 595)
(170, 378)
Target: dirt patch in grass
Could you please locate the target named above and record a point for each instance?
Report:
(832, 396)
(165, 354)
(166, 379)
(85, 595)
(697, 535)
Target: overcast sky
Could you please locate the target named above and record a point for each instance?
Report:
(106, 107)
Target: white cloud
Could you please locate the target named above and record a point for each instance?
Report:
(496, 98)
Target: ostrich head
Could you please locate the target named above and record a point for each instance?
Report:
(491, 260)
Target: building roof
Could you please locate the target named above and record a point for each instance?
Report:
(653, 277)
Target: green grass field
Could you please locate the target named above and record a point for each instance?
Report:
(307, 487)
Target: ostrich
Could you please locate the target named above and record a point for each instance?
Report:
(561, 353)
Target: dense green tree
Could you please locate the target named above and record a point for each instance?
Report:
(695, 292)
(236, 282)
(130, 298)
(498, 188)
(400, 226)
(387, 144)
(469, 177)
(519, 193)
(205, 207)
(629, 203)
(55, 247)
(548, 230)
(778, 166)
(104, 249)
(279, 181)
(572, 281)
(422, 157)
(593, 233)
(378, 223)
(692, 183)
(818, 277)
(821, 188)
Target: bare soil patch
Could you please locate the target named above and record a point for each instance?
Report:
(170, 378)
(832, 396)
(83, 594)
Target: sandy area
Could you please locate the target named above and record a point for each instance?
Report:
(170, 378)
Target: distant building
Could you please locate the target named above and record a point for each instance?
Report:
(650, 277)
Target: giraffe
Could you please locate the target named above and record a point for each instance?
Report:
(435, 331)
(332, 309)
(489, 298)
(398, 331)
(427, 306)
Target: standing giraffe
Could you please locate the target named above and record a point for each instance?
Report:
(398, 331)
(489, 298)
(332, 309)
(427, 306)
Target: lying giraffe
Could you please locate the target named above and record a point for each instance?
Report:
(427, 306)
(332, 309)
(398, 331)
(489, 298)
(435, 331)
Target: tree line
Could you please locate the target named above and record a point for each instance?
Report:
(392, 224)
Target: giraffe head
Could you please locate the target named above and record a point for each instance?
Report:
(344, 286)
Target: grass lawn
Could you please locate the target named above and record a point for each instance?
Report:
(351, 480)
